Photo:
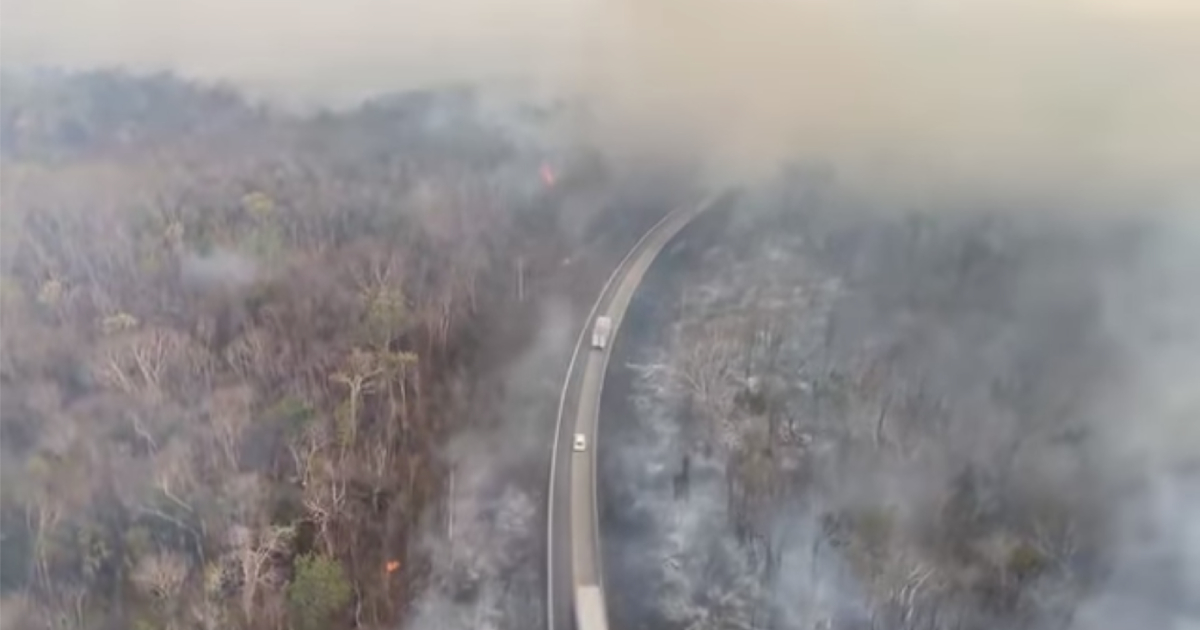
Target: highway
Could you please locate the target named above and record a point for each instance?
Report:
(573, 540)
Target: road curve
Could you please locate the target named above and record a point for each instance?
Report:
(573, 541)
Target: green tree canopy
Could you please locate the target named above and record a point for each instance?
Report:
(319, 590)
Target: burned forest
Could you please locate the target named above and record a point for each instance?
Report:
(238, 341)
(841, 415)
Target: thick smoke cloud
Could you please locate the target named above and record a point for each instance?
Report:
(1067, 98)
(978, 91)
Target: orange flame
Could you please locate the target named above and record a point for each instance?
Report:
(392, 565)
(548, 177)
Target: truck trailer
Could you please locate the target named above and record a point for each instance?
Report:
(589, 608)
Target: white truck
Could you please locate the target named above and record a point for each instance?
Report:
(589, 608)
(601, 331)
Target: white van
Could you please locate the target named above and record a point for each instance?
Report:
(601, 331)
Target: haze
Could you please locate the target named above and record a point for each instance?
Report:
(1092, 98)
(1000, 330)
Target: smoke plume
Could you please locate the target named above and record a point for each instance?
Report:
(929, 98)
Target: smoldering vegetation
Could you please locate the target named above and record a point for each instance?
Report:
(839, 415)
(266, 370)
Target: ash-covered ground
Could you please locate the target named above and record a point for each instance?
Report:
(824, 415)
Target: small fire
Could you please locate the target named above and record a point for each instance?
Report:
(392, 565)
(548, 177)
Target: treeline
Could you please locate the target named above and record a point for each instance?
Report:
(233, 342)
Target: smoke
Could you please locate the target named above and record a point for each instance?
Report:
(1151, 440)
(1037, 376)
(923, 95)
(219, 268)
(928, 98)
(485, 552)
(1078, 106)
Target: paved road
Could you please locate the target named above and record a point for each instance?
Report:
(573, 542)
